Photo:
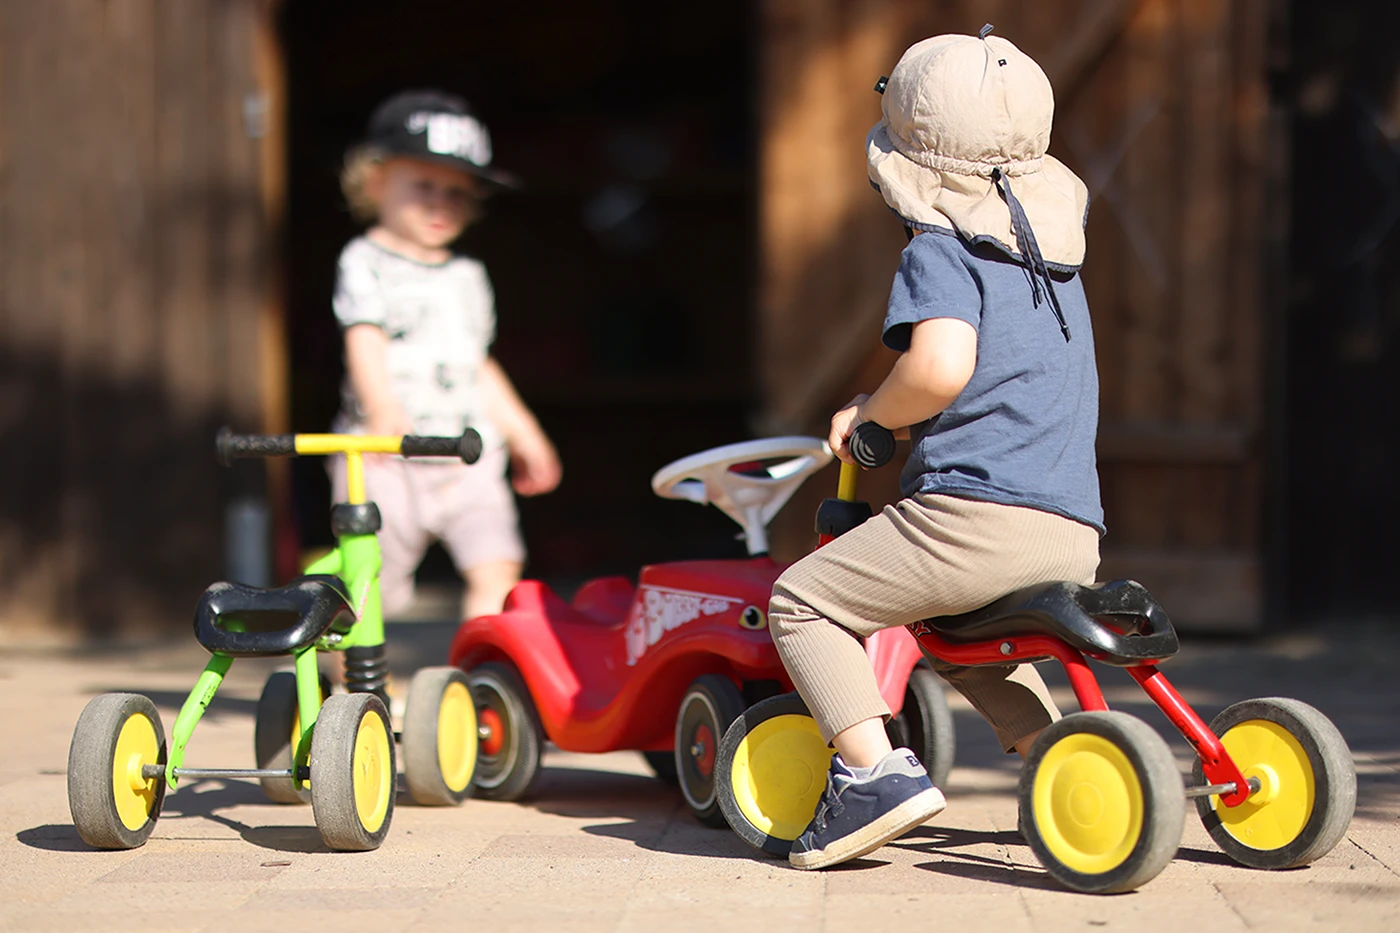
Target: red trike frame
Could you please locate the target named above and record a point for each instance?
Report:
(1216, 763)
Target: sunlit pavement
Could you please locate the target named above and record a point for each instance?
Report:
(604, 846)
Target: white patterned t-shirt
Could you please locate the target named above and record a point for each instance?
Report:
(440, 321)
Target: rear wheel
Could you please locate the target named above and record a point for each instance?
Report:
(707, 709)
(511, 738)
(925, 724)
(771, 772)
(439, 738)
(1307, 779)
(1101, 802)
(114, 804)
(276, 731)
(353, 780)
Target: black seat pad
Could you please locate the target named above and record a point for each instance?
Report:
(1117, 622)
(312, 604)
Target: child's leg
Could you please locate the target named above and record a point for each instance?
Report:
(921, 558)
(1013, 699)
(488, 585)
(934, 556)
(403, 539)
(480, 528)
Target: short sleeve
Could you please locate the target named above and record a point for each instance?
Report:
(933, 281)
(488, 305)
(359, 299)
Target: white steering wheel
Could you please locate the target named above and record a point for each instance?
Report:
(752, 496)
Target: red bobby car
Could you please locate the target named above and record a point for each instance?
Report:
(665, 665)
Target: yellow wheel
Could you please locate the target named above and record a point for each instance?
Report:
(439, 738)
(771, 772)
(353, 781)
(114, 804)
(1101, 802)
(276, 730)
(1307, 784)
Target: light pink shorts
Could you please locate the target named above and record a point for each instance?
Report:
(470, 509)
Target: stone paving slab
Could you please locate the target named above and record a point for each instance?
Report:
(603, 846)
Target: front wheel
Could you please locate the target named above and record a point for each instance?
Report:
(771, 772)
(1307, 784)
(114, 804)
(508, 760)
(1101, 802)
(439, 738)
(707, 709)
(353, 780)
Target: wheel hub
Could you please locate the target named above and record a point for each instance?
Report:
(491, 730)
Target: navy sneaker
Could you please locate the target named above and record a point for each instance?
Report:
(858, 814)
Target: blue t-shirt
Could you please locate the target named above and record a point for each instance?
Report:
(1022, 431)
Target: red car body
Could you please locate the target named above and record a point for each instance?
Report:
(608, 670)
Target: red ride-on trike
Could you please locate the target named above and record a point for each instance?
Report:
(665, 665)
(1101, 801)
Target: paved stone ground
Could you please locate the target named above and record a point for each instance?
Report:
(603, 846)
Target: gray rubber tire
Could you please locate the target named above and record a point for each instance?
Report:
(92, 793)
(705, 713)
(276, 718)
(1331, 767)
(342, 761)
(925, 724)
(508, 763)
(438, 774)
(1154, 778)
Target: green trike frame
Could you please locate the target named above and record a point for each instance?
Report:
(335, 751)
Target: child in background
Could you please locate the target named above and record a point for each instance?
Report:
(418, 322)
(997, 384)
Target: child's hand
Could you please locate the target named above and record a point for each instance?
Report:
(388, 421)
(843, 423)
(534, 465)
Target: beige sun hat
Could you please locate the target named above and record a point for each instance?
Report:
(963, 139)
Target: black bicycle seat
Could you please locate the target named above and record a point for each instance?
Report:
(246, 621)
(1118, 622)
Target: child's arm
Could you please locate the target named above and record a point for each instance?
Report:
(365, 356)
(924, 380)
(535, 466)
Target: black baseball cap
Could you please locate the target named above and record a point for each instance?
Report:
(435, 126)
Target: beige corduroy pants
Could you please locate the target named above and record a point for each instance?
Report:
(923, 557)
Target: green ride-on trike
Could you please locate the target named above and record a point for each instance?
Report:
(337, 751)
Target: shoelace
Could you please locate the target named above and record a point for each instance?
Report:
(1030, 250)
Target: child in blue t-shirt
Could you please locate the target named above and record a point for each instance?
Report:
(997, 388)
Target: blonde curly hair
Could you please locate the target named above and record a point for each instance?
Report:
(363, 161)
(360, 162)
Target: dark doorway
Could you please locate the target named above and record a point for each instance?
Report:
(622, 269)
(1343, 423)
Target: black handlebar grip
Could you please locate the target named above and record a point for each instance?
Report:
(468, 446)
(228, 446)
(872, 445)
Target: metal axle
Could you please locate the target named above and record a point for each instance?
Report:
(1213, 790)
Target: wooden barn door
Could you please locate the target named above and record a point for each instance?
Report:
(1162, 109)
(139, 159)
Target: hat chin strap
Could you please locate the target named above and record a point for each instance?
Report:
(1030, 250)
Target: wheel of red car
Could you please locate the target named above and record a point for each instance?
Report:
(925, 724)
(511, 738)
(709, 706)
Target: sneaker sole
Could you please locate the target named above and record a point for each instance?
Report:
(867, 839)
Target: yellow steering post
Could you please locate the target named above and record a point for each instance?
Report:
(846, 484)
